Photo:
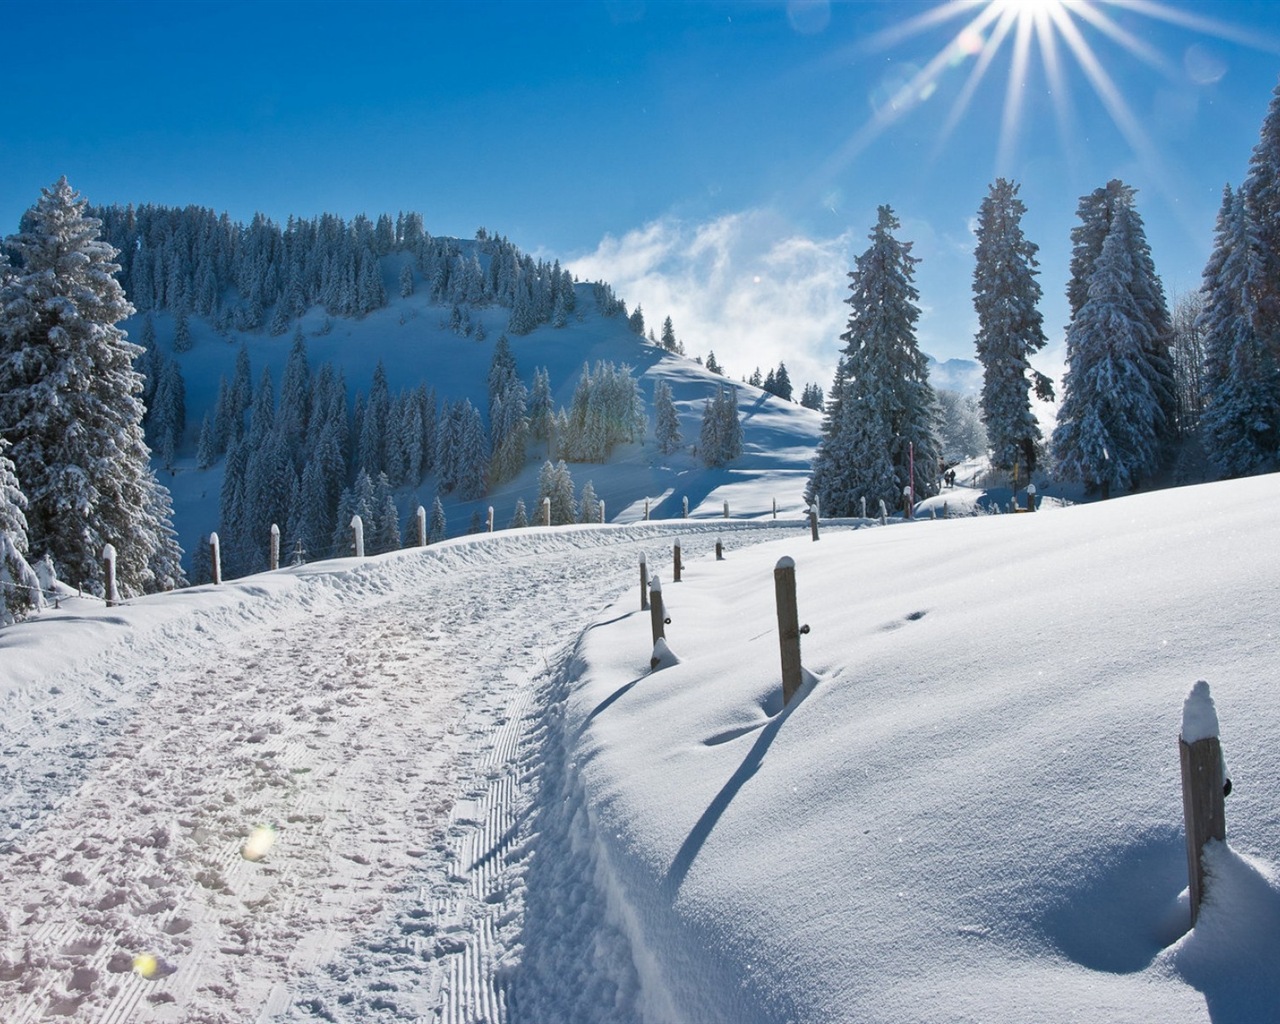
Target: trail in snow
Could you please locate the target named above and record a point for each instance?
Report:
(395, 741)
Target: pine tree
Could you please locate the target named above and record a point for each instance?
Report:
(1010, 327)
(437, 527)
(69, 405)
(1262, 200)
(712, 365)
(667, 427)
(812, 397)
(1107, 434)
(1102, 212)
(782, 383)
(1241, 378)
(883, 410)
(588, 505)
(520, 517)
(19, 586)
(669, 336)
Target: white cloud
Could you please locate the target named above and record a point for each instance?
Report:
(747, 286)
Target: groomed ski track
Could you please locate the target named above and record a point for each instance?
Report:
(389, 727)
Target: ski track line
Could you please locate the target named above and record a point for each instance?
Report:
(384, 750)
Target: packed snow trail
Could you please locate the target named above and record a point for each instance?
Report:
(321, 802)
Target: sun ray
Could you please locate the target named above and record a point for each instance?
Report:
(979, 70)
(1146, 53)
(1015, 90)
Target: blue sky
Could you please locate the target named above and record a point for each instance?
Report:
(719, 163)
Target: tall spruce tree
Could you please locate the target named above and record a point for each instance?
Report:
(69, 404)
(881, 423)
(1105, 210)
(1241, 382)
(19, 586)
(667, 421)
(1108, 433)
(1010, 327)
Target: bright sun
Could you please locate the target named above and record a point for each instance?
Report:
(1056, 30)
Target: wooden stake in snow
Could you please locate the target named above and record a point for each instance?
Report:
(656, 618)
(601, 511)
(646, 510)
(215, 558)
(775, 508)
(719, 551)
(676, 564)
(726, 510)
(109, 572)
(1204, 785)
(863, 502)
(546, 511)
(491, 519)
(1031, 497)
(357, 535)
(813, 522)
(884, 514)
(684, 508)
(422, 527)
(275, 547)
(644, 583)
(906, 503)
(789, 628)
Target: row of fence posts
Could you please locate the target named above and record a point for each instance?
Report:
(1204, 780)
(420, 520)
(789, 628)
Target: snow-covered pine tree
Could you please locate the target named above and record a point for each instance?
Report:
(782, 383)
(712, 365)
(1100, 213)
(168, 418)
(1010, 327)
(669, 336)
(19, 586)
(386, 535)
(1108, 428)
(667, 427)
(68, 402)
(473, 454)
(520, 516)
(541, 408)
(883, 410)
(437, 527)
(588, 505)
(1262, 198)
(812, 397)
(1241, 416)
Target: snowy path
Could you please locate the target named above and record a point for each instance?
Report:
(386, 739)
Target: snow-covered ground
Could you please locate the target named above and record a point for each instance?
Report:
(446, 785)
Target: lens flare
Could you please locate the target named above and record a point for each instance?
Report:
(146, 965)
(259, 843)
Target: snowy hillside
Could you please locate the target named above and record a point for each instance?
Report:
(412, 338)
(444, 784)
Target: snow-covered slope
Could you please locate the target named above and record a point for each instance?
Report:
(412, 338)
(488, 806)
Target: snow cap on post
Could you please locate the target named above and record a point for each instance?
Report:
(1199, 716)
(786, 562)
(655, 583)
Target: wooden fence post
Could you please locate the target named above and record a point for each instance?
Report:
(933, 512)
(789, 628)
(215, 558)
(546, 511)
(491, 519)
(675, 562)
(644, 583)
(884, 515)
(944, 510)
(646, 510)
(657, 619)
(422, 527)
(357, 535)
(906, 503)
(684, 508)
(109, 572)
(275, 547)
(863, 501)
(719, 551)
(775, 508)
(1204, 785)
(602, 511)
(1031, 497)
(813, 522)
(726, 510)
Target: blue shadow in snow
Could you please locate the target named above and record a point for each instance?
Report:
(703, 827)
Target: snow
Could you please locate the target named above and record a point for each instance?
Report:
(1199, 716)
(477, 801)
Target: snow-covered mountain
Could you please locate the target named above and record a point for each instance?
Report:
(413, 339)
